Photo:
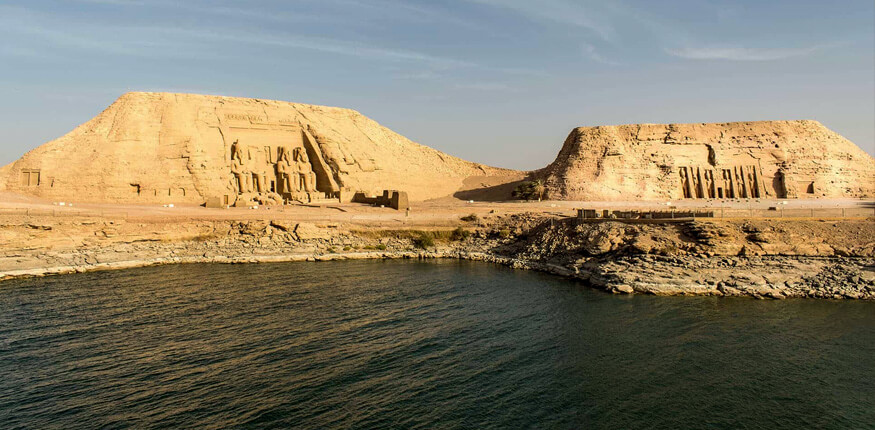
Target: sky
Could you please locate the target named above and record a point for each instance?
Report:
(500, 82)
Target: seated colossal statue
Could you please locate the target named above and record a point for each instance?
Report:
(241, 166)
(284, 170)
(306, 177)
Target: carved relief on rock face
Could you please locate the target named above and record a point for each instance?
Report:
(339, 160)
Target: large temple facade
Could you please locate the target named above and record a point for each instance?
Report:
(149, 148)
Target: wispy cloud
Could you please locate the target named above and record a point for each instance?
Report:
(741, 54)
(590, 52)
(518, 71)
(327, 12)
(590, 15)
(59, 38)
(116, 2)
(354, 49)
(20, 51)
(157, 41)
(425, 75)
(407, 11)
(486, 86)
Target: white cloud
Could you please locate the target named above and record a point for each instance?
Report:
(332, 46)
(486, 86)
(590, 52)
(741, 54)
(116, 2)
(592, 16)
(156, 41)
(425, 75)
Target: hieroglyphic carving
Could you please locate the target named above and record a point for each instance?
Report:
(243, 117)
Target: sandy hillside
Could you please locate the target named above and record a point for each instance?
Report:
(765, 159)
(164, 147)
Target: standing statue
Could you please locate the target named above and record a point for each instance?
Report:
(259, 168)
(307, 179)
(685, 182)
(241, 165)
(284, 170)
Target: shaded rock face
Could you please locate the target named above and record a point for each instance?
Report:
(186, 148)
(767, 159)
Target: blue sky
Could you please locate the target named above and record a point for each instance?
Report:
(500, 82)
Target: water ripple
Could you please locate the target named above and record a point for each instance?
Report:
(403, 344)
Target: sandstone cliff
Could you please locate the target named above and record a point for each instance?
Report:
(178, 148)
(766, 159)
(775, 258)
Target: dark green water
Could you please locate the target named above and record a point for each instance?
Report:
(404, 344)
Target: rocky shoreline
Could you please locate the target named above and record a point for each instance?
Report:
(761, 259)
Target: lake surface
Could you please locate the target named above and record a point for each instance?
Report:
(408, 344)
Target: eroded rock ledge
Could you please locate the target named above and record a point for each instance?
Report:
(757, 258)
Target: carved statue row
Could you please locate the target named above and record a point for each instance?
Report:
(295, 171)
(730, 182)
(250, 168)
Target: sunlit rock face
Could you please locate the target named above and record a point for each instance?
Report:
(765, 159)
(187, 148)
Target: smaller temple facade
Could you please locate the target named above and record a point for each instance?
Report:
(731, 182)
(740, 160)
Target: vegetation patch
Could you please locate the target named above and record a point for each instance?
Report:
(459, 234)
(443, 235)
(424, 241)
(530, 190)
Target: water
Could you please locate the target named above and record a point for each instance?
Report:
(404, 344)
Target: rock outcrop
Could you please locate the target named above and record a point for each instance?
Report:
(766, 159)
(759, 258)
(186, 148)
